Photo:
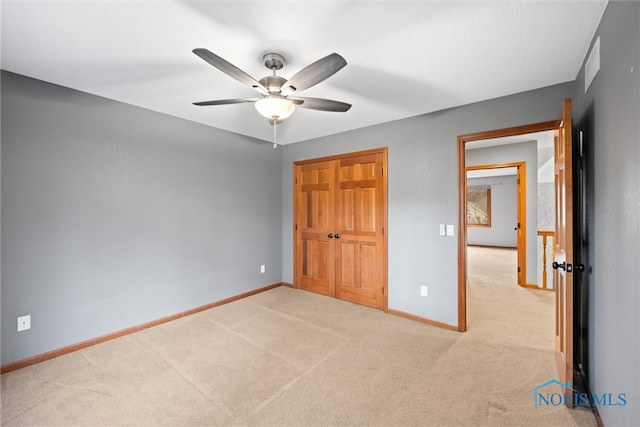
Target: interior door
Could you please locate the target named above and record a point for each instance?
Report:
(340, 247)
(314, 211)
(360, 225)
(521, 227)
(562, 265)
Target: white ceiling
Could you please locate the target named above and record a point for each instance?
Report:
(405, 58)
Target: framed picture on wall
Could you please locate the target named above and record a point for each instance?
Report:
(479, 206)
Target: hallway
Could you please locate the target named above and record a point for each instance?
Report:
(498, 309)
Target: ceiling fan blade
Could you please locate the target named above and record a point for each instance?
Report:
(225, 101)
(313, 74)
(230, 69)
(323, 104)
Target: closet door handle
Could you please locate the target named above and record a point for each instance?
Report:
(330, 235)
(337, 236)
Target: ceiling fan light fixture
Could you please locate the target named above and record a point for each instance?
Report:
(275, 107)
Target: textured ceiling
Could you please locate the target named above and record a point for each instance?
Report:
(405, 58)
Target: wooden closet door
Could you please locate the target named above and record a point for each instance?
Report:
(314, 211)
(360, 222)
(339, 219)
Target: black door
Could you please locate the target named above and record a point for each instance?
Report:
(583, 226)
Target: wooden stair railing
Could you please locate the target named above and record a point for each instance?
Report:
(545, 235)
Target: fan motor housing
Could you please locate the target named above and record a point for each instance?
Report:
(273, 83)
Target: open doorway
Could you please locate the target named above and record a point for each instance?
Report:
(508, 138)
(496, 210)
(564, 157)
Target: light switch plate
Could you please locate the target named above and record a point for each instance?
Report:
(450, 229)
(442, 230)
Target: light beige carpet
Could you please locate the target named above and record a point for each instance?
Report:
(291, 358)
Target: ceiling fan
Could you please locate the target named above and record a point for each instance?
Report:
(278, 101)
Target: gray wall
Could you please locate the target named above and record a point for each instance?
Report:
(422, 190)
(523, 152)
(113, 215)
(504, 215)
(609, 114)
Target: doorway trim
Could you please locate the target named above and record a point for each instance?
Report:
(521, 215)
(462, 202)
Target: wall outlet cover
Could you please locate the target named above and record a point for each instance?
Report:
(24, 323)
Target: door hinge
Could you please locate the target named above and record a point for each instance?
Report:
(296, 180)
(382, 291)
(296, 226)
(383, 231)
(518, 269)
(382, 171)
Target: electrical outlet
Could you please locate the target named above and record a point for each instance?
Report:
(263, 268)
(24, 323)
(423, 291)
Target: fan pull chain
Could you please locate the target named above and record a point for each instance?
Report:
(275, 144)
